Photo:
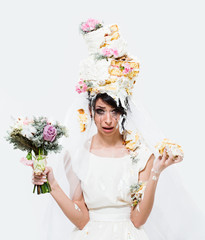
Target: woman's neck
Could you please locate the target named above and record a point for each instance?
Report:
(107, 141)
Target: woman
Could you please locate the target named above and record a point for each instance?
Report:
(106, 145)
(110, 161)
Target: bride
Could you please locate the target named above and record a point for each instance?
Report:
(109, 160)
(108, 144)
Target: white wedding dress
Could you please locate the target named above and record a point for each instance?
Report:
(106, 192)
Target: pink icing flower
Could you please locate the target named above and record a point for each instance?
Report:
(81, 87)
(92, 23)
(89, 25)
(109, 52)
(77, 89)
(106, 52)
(127, 68)
(49, 133)
(85, 27)
(26, 162)
(115, 52)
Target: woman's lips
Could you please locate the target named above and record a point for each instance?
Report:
(108, 129)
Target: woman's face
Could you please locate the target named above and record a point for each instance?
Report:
(106, 118)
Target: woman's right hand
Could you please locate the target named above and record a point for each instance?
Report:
(43, 177)
(165, 160)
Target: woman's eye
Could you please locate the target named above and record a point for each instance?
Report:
(99, 111)
(115, 111)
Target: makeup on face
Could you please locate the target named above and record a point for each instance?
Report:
(101, 111)
(106, 118)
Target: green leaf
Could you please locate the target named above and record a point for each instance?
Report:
(29, 156)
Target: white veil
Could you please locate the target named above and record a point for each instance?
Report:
(174, 216)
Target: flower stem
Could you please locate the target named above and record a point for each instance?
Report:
(34, 188)
(38, 189)
(45, 188)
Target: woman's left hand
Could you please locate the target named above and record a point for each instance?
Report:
(165, 160)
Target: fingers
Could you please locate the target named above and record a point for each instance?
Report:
(47, 170)
(178, 159)
(38, 179)
(165, 160)
(170, 159)
(165, 156)
(173, 159)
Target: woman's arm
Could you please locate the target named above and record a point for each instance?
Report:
(75, 210)
(139, 218)
(145, 206)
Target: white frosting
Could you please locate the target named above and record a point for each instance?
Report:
(95, 70)
(175, 151)
(120, 44)
(96, 38)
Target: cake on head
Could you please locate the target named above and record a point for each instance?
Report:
(100, 39)
(109, 68)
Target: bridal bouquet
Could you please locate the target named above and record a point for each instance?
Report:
(37, 136)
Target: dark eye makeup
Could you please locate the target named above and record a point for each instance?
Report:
(101, 111)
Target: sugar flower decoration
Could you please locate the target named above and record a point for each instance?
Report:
(81, 87)
(127, 68)
(90, 25)
(110, 52)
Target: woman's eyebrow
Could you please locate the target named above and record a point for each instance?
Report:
(100, 107)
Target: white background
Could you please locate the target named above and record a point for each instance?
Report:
(40, 51)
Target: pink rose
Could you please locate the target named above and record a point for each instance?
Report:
(92, 23)
(115, 52)
(89, 25)
(106, 52)
(127, 68)
(109, 52)
(77, 89)
(84, 88)
(81, 87)
(85, 27)
(49, 133)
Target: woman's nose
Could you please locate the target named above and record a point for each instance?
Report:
(108, 118)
